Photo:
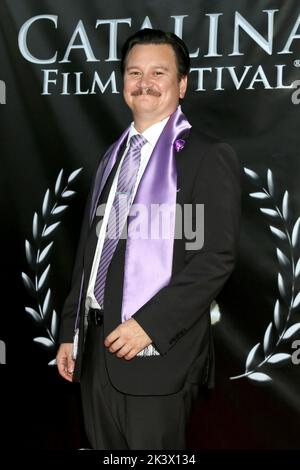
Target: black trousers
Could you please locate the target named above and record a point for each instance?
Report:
(117, 421)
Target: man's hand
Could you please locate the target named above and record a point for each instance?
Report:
(127, 340)
(64, 361)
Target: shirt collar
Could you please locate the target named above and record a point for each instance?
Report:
(151, 134)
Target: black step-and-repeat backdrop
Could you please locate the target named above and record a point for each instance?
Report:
(60, 105)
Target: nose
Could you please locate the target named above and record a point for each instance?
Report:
(145, 81)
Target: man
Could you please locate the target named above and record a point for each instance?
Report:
(141, 304)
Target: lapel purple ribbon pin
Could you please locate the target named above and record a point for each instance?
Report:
(179, 144)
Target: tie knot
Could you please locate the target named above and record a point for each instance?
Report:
(137, 141)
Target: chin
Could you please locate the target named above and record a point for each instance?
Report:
(148, 108)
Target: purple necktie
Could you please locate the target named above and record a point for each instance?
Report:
(119, 211)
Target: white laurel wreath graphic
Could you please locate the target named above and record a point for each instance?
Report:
(37, 254)
(283, 326)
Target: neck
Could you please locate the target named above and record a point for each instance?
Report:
(141, 123)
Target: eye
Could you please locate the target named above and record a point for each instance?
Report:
(134, 73)
(158, 72)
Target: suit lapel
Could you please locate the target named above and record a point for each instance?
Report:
(92, 238)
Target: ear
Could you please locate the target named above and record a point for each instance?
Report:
(182, 86)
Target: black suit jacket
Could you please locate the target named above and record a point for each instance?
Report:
(177, 318)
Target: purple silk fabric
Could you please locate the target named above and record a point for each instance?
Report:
(149, 246)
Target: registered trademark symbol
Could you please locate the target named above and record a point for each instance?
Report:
(297, 63)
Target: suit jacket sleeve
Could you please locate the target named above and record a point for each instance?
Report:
(69, 312)
(179, 305)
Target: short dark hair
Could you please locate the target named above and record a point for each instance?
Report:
(156, 36)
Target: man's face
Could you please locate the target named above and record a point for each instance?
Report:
(151, 86)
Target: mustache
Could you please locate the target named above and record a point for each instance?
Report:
(149, 91)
